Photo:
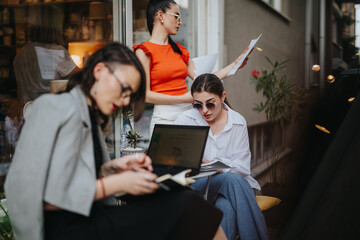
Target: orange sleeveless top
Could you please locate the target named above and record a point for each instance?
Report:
(168, 69)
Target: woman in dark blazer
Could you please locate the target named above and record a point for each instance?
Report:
(61, 181)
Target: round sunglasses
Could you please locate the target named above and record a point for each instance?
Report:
(199, 106)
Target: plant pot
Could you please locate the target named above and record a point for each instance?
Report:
(132, 151)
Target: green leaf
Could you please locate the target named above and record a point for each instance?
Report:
(268, 59)
(282, 99)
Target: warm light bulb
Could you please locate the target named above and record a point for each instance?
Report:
(321, 128)
(316, 67)
(351, 99)
(77, 60)
(330, 78)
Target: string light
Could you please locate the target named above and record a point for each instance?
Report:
(321, 128)
(316, 67)
(351, 99)
(330, 78)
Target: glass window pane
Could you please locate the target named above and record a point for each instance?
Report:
(141, 32)
(42, 41)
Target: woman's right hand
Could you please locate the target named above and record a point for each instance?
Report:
(137, 183)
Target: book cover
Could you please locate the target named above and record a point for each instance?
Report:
(179, 181)
(213, 166)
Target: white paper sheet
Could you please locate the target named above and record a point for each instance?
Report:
(251, 46)
(205, 64)
(48, 60)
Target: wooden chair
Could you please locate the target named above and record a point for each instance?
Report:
(266, 202)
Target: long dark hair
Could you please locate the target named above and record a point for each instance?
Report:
(210, 83)
(153, 7)
(111, 54)
(47, 24)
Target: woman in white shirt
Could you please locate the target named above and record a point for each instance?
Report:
(228, 142)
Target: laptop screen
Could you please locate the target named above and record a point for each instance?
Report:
(178, 145)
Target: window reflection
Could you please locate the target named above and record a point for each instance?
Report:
(42, 41)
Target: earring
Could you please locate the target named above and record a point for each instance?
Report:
(95, 92)
(162, 21)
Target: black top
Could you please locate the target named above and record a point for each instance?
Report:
(98, 154)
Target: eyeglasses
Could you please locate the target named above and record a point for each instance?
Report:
(199, 106)
(126, 91)
(177, 17)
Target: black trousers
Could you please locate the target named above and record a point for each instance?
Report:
(166, 215)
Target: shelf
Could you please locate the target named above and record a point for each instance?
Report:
(30, 4)
(6, 46)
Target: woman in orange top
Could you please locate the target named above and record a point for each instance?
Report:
(167, 64)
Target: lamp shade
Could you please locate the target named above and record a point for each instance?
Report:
(97, 10)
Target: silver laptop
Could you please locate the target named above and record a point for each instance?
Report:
(174, 148)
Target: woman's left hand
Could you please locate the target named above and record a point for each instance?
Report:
(138, 161)
(130, 162)
(246, 59)
(205, 160)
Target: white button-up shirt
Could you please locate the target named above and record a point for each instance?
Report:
(230, 146)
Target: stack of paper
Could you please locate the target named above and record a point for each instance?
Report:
(251, 46)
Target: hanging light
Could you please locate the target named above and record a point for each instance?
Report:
(316, 67)
(330, 78)
(321, 128)
(351, 99)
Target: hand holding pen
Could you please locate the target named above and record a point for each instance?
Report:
(137, 162)
(129, 174)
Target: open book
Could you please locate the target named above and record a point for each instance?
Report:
(213, 166)
(170, 182)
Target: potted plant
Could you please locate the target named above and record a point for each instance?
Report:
(6, 232)
(131, 135)
(282, 100)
